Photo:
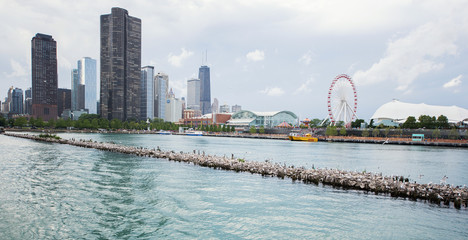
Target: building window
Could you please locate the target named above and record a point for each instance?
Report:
(46, 111)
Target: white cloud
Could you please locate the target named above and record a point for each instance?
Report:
(273, 92)
(176, 60)
(413, 55)
(256, 56)
(454, 82)
(306, 58)
(305, 87)
(18, 69)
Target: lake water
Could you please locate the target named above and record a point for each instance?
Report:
(52, 191)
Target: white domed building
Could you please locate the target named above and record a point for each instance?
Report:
(395, 112)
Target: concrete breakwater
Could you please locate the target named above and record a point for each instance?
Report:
(393, 141)
(396, 186)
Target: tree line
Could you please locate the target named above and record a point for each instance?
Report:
(94, 122)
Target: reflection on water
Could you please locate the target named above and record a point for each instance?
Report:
(65, 192)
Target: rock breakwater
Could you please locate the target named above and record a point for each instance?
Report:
(364, 181)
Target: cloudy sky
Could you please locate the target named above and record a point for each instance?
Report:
(265, 55)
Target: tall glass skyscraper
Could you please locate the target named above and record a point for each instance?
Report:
(77, 91)
(205, 92)
(17, 101)
(161, 84)
(147, 92)
(193, 94)
(44, 77)
(120, 65)
(87, 74)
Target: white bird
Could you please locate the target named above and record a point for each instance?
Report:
(443, 180)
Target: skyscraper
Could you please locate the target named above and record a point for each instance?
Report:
(87, 74)
(28, 101)
(77, 91)
(44, 77)
(161, 87)
(215, 106)
(120, 65)
(16, 106)
(193, 94)
(147, 92)
(63, 100)
(205, 92)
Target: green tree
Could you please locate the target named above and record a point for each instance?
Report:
(357, 123)
(261, 130)
(436, 133)
(314, 123)
(400, 131)
(410, 123)
(233, 129)
(442, 122)
(61, 123)
(116, 124)
(386, 131)
(426, 121)
(51, 123)
(371, 124)
(375, 132)
(331, 131)
(39, 122)
(95, 123)
(2, 121)
(325, 123)
(365, 133)
(21, 122)
(339, 124)
(454, 134)
(343, 131)
(253, 129)
(103, 123)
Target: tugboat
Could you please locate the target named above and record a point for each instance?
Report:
(299, 137)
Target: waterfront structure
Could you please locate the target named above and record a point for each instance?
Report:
(147, 92)
(120, 65)
(88, 77)
(174, 108)
(193, 94)
(205, 90)
(267, 119)
(63, 100)
(28, 101)
(16, 106)
(161, 87)
(224, 108)
(236, 108)
(215, 106)
(396, 112)
(74, 115)
(44, 77)
(191, 119)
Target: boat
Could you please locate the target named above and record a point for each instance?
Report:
(162, 132)
(193, 133)
(302, 137)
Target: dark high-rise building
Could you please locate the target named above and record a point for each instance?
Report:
(205, 92)
(17, 101)
(64, 100)
(44, 77)
(120, 65)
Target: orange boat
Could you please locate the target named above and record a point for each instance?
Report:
(299, 137)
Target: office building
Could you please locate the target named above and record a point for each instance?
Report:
(16, 106)
(44, 77)
(161, 87)
(147, 92)
(7, 103)
(193, 94)
(236, 108)
(224, 108)
(120, 65)
(174, 108)
(77, 91)
(87, 75)
(63, 100)
(215, 106)
(28, 101)
(205, 92)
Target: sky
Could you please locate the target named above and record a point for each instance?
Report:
(265, 55)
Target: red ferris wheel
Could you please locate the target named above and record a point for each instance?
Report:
(342, 100)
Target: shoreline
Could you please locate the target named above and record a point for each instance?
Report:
(398, 186)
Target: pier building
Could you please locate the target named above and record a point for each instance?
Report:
(247, 118)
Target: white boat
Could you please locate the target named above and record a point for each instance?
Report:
(194, 133)
(162, 132)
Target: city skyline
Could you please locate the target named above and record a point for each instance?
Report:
(263, 60)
